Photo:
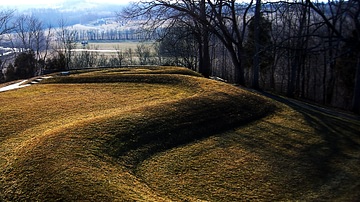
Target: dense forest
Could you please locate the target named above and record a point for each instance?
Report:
(302, 49)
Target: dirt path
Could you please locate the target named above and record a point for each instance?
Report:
(305, 107)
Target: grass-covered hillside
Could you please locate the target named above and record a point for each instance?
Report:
(168, 134)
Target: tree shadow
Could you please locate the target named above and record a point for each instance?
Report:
(315, 149)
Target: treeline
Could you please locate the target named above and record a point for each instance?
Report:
(29, 47)
(301, 49)
(26, 46)
(111, 34)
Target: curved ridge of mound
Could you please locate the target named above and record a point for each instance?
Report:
(160, 75)
(95, 157)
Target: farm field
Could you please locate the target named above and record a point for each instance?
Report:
(113, 45)
(111, 49)
(168, 134)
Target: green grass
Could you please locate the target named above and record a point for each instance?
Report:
(167, 134)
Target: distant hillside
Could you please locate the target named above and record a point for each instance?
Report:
(73, 12)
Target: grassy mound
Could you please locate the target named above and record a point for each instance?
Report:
(168, 75)
(85, 136)
(167, 134)
(291, 155)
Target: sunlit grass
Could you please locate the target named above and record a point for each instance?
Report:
(167, 134)
(80, 137)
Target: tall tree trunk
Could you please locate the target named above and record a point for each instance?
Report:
(292, 80)
(330, 85)
(298, 52)
(356, 98)
(204, 65)
(256, 60)
(324, 79)
(239, 68)
(205, 69)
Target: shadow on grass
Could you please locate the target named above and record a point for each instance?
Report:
(169, 125)
(316, 153)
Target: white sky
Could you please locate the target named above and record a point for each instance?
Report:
(12, 3)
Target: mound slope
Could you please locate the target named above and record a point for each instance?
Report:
(84, 136)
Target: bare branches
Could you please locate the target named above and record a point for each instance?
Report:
(67, 38)
(5, 17)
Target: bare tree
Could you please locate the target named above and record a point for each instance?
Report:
(130, 56)
(226, 19)
(298, 51)
(308, 41)
(178, 47)
(203, 38)
(46, 40)
(5, 17)
(168, 17)
(120, 56)
(5, 28)
(67, 41)
(255, 79)
(143, 53)
(352, 9)
(32, 36)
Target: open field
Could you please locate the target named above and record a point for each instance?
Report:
(167, 134)
(114, 45)
(110, 47)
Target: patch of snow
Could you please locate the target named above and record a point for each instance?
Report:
(14, 86)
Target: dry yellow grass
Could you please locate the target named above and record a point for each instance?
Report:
(291, 155)
(166, 134)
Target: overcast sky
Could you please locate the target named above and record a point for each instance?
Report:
(45, 3)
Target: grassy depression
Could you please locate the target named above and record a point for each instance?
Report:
(167, 134)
